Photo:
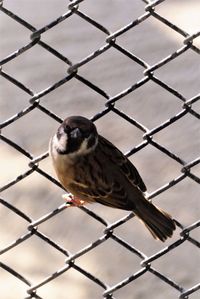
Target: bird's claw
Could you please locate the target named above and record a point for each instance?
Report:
(72, 200)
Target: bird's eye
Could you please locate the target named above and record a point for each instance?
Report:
(67, 129)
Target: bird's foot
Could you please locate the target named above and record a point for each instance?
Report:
(72, 200)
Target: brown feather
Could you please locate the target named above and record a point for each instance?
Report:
(126, 167)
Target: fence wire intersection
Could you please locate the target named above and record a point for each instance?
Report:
(35, 102)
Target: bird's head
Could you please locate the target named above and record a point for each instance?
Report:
(76, 135)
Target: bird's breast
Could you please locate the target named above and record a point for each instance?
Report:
(63, 166)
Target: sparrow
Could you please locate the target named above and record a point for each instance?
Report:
(92, 169)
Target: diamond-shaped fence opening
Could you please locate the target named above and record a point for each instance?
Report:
(133, 68)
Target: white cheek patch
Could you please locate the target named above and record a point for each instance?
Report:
(83, 150)
(84, 147)
(63, 142)
(60, 144)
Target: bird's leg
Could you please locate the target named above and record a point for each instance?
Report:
(72, 200)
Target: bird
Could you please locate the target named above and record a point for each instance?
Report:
(93, 170)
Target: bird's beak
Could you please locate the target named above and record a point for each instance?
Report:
(76, 133)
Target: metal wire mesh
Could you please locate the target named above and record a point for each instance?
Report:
(188, 168)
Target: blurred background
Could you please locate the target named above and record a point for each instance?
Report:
(150, 105)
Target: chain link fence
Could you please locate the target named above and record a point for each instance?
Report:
(111, 62)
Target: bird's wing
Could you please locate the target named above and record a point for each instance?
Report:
(110, 194)
(108, 179)
(126, 167)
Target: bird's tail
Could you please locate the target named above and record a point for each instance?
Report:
(159, 223)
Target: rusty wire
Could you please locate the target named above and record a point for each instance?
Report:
(35, 102)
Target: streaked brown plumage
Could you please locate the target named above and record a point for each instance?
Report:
(94, 170)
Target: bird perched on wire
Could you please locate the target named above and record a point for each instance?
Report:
(94, 170)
